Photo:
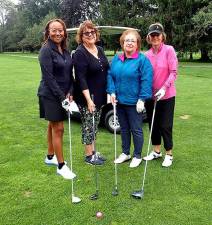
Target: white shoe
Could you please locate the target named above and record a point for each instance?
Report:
(122, 158)
(167, 161)
(153, 155)
(66, 173)
(135, 162)
(52, 161)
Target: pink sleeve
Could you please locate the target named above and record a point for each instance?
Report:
(172, 65)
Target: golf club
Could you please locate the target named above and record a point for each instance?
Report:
(74, 199)
(115, 190)
(140, 193)
(96, 194)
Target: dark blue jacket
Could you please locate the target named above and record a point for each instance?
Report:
(56, 68)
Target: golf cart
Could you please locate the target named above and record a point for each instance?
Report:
(107, 116)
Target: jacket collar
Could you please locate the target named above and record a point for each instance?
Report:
(161, 46)
(133, 56)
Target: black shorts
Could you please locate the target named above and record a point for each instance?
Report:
(51, 110)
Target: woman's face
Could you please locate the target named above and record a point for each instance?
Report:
(89, 36)
(156, 39)
(56, 32)
(130, 44)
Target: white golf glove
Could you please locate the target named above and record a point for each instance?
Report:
(113, 98)
(69, 106)
(160, 94)
(140, 106)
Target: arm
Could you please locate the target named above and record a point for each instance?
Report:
(172, 65)
(146, 80)
(46, 65)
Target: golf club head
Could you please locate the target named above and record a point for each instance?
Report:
(138, 194)
(75, 199)
(94, 196)
(115, 192)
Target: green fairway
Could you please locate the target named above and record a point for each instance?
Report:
(32, 194)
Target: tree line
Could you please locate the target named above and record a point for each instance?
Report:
(188, 23)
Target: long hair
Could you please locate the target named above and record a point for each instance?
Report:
(46, 32)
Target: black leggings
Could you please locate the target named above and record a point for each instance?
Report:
(163, 122)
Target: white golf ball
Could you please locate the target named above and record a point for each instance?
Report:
(99, 215)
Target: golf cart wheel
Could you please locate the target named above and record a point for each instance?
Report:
(109, 122)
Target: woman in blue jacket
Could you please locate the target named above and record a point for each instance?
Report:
(129, 85)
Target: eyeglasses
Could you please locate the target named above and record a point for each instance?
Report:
(88, 34)
(55, 31)
(154, 35)
(130, 41)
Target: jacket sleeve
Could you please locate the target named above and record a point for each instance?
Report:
(146, 80)
(46, 64)
(111, 89)
(172, 65)
(80, 68)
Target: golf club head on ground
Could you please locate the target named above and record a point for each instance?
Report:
(138, 194)
(75, 199)
(115, 192)
(94, 196)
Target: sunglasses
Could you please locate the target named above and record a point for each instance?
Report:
(154, 35)
(88, 34)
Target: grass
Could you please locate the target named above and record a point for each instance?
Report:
(31, 193)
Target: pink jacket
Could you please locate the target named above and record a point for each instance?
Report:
(164, 64)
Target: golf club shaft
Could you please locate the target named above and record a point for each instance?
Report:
(94, 150)
(70, 146)
(150, 135)
(115, 146)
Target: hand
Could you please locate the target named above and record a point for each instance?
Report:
(140, 106)
(91, 106)
(160, 94)
(113, 99)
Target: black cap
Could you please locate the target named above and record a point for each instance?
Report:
(155, 28)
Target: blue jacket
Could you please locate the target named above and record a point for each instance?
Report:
(130, 78)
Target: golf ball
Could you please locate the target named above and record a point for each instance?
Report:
(99, 215)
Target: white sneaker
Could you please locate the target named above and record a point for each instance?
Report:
(167, 161)
(66, 173)
(52, 161)
(135, 162)
(153, 155)
(122, 158)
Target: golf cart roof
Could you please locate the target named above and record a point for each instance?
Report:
(105, 30)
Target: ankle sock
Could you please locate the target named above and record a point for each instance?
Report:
(50, 157)
(60, 165)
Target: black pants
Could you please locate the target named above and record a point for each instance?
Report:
(163, 122)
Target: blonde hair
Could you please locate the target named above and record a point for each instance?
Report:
(89, 25)
(130, 31)
(163, 33)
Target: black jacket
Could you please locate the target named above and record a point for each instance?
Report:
(56, 68)
(91, 74)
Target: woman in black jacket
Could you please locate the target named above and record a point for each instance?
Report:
(91, 65)
(56, 87)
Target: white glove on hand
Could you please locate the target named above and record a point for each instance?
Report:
(66, 104)
(160, 94)
(140, 106)
(113, 99)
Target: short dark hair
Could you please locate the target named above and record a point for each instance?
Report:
(46, 32)
(89, 25)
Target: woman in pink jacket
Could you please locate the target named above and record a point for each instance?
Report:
(164, 61)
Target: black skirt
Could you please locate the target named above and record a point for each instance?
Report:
(51, 110)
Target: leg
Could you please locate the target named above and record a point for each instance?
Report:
(125, 129)
(135, 121)
(49, 140)
(57, 139)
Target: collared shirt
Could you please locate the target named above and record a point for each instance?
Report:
(57, 80)
(130, 78)
(164, 64)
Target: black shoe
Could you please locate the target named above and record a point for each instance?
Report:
(93, 160)
(99, 156)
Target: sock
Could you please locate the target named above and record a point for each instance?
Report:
(93, 152)
(50, 156)
(157, 152)
(88, 156)
(60, 165)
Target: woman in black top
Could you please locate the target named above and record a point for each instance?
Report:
(91, 65)
(56, 85)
